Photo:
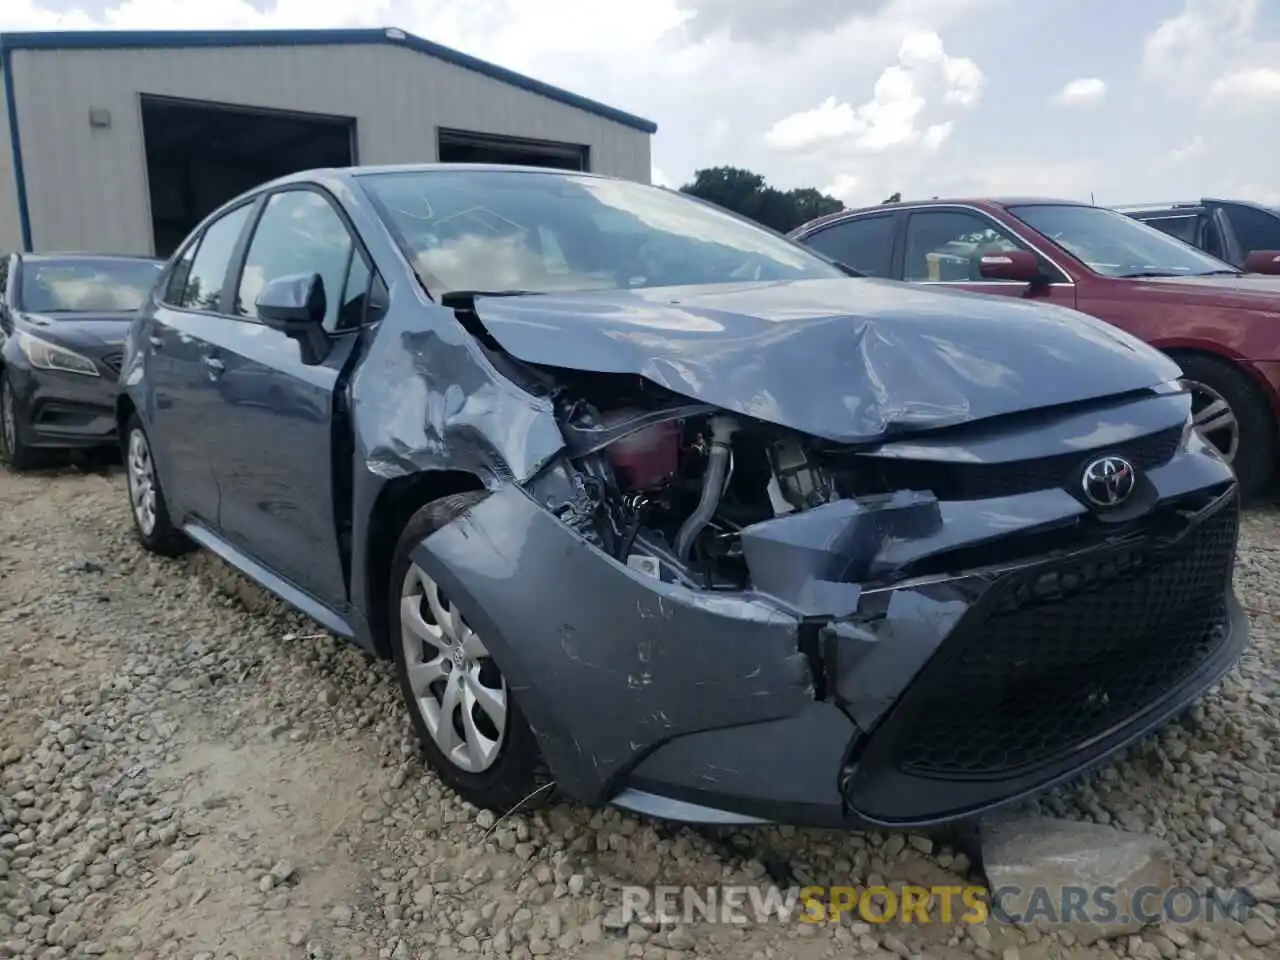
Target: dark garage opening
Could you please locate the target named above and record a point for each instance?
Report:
(199, 155)
(460, 146)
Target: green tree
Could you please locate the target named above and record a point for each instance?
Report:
(749, 195)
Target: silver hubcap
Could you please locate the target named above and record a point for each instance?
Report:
(1214, 419)
(457, 688)
(8, 418)
(142, 482)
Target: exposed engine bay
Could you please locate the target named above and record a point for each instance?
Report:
(667, 486)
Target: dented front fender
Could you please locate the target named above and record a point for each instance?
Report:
(604, 662)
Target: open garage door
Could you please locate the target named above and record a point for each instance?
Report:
(199, 155)
(460, 146)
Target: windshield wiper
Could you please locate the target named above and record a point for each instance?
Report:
(1141, 274)
(1218, 273)
(462, 298)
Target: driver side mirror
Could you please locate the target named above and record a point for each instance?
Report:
(1020, 266)
(296, 305)
(1263, 261)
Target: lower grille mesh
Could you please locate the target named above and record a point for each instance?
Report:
(1062, 657)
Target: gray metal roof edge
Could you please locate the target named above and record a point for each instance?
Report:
(193, 39)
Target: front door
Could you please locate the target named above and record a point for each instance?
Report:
(179, 413)
(276, 471)
(945, 246)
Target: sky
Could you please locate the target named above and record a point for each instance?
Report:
(1127, 102)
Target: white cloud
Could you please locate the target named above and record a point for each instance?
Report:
(1082, 92)
(1246, 88)
(888, 119)
(844, 188)
(1183, 46)
(659, 179)
(1195, 147)
(936, 133)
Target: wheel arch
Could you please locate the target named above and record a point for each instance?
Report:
(1250, 373)
(397, 501)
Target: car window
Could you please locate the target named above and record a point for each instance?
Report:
(1255, 229)
(202, 282)
(356, 295)
(553, 230)
(1184, 228)
(945, 246)
(178, 277)
(864, 244)
(1115, 245)
(299, 233)
(82, 285)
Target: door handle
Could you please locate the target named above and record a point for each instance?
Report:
(214, 366)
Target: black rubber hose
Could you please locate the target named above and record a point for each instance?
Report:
(712, 487)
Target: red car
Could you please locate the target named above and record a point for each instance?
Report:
(1222, 325)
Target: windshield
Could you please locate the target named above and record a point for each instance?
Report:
(1115, 245)
(86, 286)
(493, 230)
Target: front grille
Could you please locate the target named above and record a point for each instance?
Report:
(1059, 658)
(978, 481)
(113, 362)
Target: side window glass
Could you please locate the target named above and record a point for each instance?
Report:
(865, 244)
(202, 284)
(299, 233)
(356, 295)
(178, 277)
(1181, 228)
(1255, 229)
(946, 246)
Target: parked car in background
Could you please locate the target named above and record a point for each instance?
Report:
(1228, 229)
(630, 489)
(1217, 322)
(63, 319)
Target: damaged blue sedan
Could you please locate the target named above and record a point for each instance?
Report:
(650, 506)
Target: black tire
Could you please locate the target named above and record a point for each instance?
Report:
(1255, 458)
(14, 453)
(518, 775)
(163, 538)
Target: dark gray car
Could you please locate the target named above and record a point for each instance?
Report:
(63, 319)
(653, 504)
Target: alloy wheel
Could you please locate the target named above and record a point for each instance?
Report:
(1214, 419)
(8, 420)
(457, 688)
(140, 471)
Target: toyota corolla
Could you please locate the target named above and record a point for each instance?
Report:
(655, 507)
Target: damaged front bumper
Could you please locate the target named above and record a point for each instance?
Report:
(834, 694)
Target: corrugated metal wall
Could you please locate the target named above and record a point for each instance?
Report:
(10, 226)
(87, 186)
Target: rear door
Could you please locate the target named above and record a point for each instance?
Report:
(276, 471)
(943, 246)
(179, 413)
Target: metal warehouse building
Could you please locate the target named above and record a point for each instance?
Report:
(121, 142)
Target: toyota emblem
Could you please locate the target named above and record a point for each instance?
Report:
(1108, 481)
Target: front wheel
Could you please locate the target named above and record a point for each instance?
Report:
(468, 722)
(13, 451)
(1233, 415)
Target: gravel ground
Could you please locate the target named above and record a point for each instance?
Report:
(188, 769)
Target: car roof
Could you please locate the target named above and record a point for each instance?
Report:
(355, 172)
(982, 203)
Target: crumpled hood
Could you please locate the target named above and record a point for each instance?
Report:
(848, 360)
